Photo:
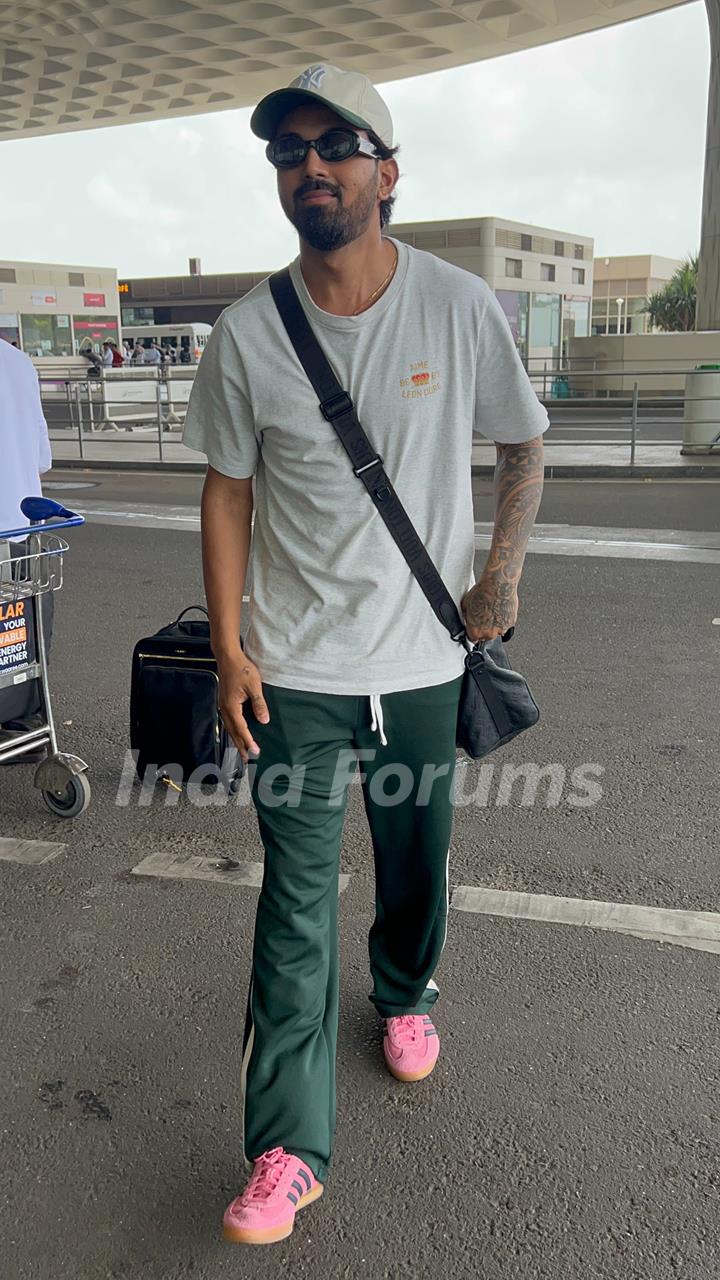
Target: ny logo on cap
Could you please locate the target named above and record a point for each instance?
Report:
(312, 78)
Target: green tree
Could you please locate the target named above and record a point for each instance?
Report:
(672, 309)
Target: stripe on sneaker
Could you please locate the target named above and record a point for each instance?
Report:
(431, 1032)
(302, 1174)
(300, 1190)
(290, 1196)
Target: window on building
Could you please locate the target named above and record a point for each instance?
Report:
(544, 324)
(46, 335)
(9, 328)
(636, 317)
(579, 251)
(464, 237)
(7, 275)
(526, 242)
(547, 271)
(516, 306)
(431, 239)
(94, 330)
(559, 248)
(576, 320)
(139, 315)
(513, 268)
(76, 278)
(578, 275)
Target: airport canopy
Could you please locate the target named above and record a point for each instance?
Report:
(73, 64)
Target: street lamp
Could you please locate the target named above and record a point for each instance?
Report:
(619, 304)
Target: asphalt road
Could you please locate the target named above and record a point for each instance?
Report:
(571, 1127)
(641, 504)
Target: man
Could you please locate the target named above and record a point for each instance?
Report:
(343, 654)
(25, 451)
(107, 355)
(152, 354)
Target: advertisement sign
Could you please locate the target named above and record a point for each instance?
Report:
(15, 631)
(62, 322)
(93, 299)
(45, 299)
(95, 328)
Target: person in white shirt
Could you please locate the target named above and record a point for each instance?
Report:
(153, 355)
(25, 451)
(107, 355)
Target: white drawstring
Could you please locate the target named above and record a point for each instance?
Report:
(377, 716)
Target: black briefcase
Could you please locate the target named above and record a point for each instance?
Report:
(175, 726)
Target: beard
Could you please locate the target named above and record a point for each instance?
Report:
(330, 226)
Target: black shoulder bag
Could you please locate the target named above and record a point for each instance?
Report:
(495, 702)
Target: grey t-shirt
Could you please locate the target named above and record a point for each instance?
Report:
(334, 607)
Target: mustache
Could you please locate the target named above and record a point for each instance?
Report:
(315, 184)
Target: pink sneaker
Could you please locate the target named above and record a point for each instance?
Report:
(411, 1046)
(265, 1212)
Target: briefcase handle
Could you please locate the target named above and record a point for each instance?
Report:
(199, 607)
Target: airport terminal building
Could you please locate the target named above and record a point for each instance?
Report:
(548, 283)
(53, 310)
(621, 288)
(543, 280)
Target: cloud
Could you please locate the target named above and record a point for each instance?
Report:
(602, 134)
(134, 205)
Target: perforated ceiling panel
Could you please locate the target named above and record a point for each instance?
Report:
(73, 64)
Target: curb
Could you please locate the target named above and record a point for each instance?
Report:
(95, 464)
(623, 471)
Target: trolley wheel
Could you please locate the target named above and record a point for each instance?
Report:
(72, 800)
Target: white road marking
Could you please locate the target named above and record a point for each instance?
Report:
(716, 622)
(178, 866)
(186, 519)
(546, 539)
(33, 853)
(627, 544)
(697, 929)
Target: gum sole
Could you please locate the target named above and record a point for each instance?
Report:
(409, 1077)
(240, 1235)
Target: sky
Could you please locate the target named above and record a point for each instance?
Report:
(602, 135)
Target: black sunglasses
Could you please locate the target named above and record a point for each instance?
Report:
(290, 150)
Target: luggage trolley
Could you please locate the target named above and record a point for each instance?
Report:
(35, 569)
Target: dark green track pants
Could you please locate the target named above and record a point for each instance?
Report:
(309, 752)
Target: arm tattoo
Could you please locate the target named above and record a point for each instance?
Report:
(518, 490)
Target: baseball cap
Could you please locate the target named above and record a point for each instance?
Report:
(348, 93)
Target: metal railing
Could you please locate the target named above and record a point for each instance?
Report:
(586, 374)
(147, 406)
(144, 404)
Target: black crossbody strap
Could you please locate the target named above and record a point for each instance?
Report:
(337, 407)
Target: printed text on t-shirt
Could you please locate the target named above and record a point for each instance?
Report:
(422, 381)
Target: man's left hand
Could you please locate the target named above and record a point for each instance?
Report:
(489, 608)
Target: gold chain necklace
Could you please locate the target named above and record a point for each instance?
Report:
(380, 287)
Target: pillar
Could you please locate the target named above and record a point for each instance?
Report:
(708, 298)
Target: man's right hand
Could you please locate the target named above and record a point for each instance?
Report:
(240, 682)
